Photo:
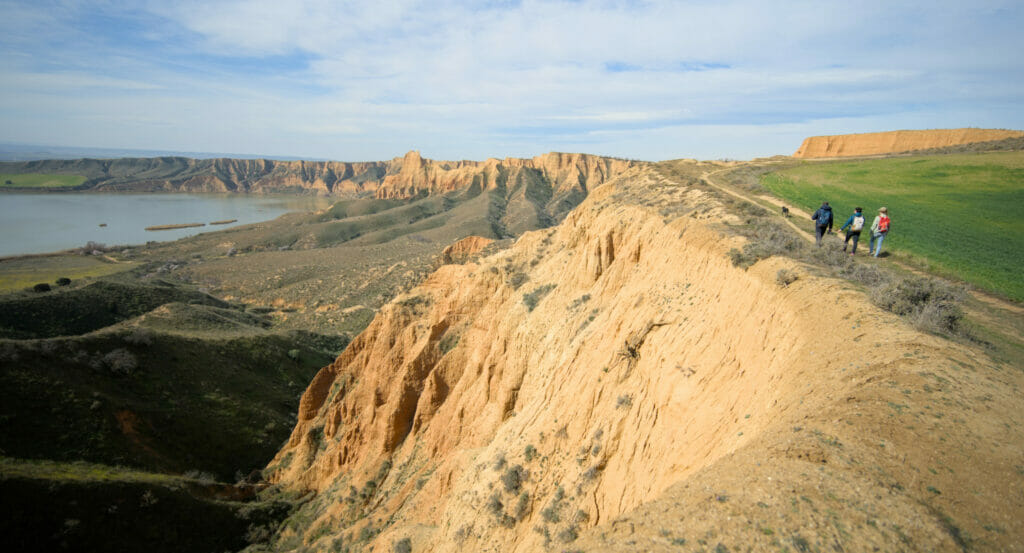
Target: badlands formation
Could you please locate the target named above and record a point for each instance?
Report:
(878, 143)
(614, 383)
(400, 178)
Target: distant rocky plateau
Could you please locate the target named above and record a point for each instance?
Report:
(892, 142)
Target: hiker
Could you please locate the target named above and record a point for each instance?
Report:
(822, 222)
(853, 226)
(879, 228)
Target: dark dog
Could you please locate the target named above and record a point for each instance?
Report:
(785, 211)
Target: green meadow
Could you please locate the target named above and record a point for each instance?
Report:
(962, 215)
(39, 180)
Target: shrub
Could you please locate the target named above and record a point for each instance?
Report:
(494, 504)
(120, 361)
(403, 545)
(513, 478)
(515, 280)
(568, 535)
(41, 287)
(533, 298)
(139, 337)
(785, 277)
(448, 342)
(523, 506)
(530, 452)
(63, 281)
(930, 304)
(624, 401)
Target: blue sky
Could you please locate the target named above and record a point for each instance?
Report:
(354, 80)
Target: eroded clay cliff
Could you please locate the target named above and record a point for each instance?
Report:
(616, 384)
(557, 175)
(892, 142)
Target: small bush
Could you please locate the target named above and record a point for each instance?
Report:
(403, 545)
(523, 506)
(448, 341)
(930, 304)
(515, 280)
(63, 281)
(120, 361)
(41, 287)
(513, 478)
(139, 337)
(533, 298)
(624, 402)
(529, 453)
(785, 277)
(568, 535)
(494, 504)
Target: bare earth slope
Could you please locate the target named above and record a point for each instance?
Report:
(403, 177)
(616, 384)
(896, 141)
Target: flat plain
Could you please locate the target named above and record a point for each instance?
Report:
(39, 180)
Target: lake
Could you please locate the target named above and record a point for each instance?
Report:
(40, 223)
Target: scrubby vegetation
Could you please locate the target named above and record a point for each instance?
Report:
(929, 303)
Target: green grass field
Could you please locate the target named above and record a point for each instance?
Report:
(18, 273)
(963, 214)
(39, 180)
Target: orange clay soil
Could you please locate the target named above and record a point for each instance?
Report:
(616, 384)
(877, 143)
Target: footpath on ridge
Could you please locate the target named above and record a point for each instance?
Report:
(987, 299)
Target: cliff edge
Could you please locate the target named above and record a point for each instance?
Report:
(892, 142)
(616, 384)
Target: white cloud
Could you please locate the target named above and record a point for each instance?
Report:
(322, 78)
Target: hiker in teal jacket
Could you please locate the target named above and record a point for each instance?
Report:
(853, 226)
(822, 222)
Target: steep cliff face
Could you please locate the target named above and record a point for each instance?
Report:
(580, 384)
(896, 141)
(406, 177)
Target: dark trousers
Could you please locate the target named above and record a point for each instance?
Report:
(852, 235)
(819, 231)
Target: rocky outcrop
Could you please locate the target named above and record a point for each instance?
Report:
(879, 143)
(597, 375)
(406, 177)
(462, 250)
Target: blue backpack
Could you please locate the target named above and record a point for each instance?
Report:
(823, 217)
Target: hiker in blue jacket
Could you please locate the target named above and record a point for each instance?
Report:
(822, 222)
(853, 226)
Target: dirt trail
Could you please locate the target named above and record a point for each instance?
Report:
(987, 299)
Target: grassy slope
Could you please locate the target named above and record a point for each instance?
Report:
(81, 507)
(39, 180)
(18, 273)
(963, 213)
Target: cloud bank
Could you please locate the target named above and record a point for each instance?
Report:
(361, 80)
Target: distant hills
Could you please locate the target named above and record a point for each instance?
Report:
(400, 178)
(35, 152)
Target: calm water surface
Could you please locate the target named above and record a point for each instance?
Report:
(39, 223)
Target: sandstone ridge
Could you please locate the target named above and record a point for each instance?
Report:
(616, 384)
(403, 177)
(892, 142)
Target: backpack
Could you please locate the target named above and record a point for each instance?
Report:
(858, 223)
(823, 216)
(883, 224)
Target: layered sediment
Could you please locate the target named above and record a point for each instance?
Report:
(892, 142)
(405, 177)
